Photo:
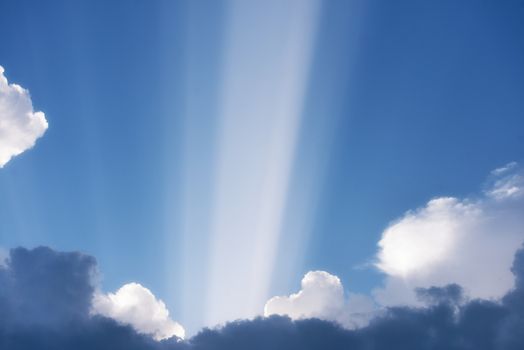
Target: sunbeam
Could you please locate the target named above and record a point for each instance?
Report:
(261, 174)
(262, 96)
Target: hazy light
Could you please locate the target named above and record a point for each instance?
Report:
(264, 77)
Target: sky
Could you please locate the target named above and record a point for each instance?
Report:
(225, 160)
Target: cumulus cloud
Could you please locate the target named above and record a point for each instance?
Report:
(46, 302)
(454, 280)
(135, 305)
(322, 296)
(450, 241)
(446, 323)
(20, 125)
(468, 241)
(45, 297)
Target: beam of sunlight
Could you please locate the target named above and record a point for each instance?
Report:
(203, 32)
(266, 65)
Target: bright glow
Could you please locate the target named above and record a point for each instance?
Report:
(20, 126)
(468, 241)
(322, 296)
(266, 66)
(136, 306)
(423, 238)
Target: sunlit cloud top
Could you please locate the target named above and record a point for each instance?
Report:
(20, 125)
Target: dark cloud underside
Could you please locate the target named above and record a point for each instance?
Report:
(45, 298)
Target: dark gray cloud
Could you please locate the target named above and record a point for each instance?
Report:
(436, 295)
(44, 287)
(45, 298)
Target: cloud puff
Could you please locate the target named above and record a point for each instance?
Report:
(322, 296)
(467, 241)
(135, 305)
(20, 126)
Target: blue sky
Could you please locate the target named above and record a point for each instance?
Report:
(178, 129)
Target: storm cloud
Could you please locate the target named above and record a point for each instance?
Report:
(45, 300)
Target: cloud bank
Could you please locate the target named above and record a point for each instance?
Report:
(45, 302)
(467, 241)
(447, 322)
(454, 280)
(20, 125)
(450, 241)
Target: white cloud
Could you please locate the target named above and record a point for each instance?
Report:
(509, 186)
(322, 296)
(422, 238)
(135, 305)
(504, 169)
(20, 126)
(468, 241)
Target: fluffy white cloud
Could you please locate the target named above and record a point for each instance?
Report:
(468, 241)
(322, 296)
(135, 305)
(20, 126)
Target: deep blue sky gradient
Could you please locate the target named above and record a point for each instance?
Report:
(405, 101)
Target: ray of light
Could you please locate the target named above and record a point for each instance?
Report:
(266, 63)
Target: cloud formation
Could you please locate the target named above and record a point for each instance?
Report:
(322, 296)
(468, 241)
(20, 125)
(447, 322)
(135, 305)
(45, 297)
(454, 280)
(46, 301)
